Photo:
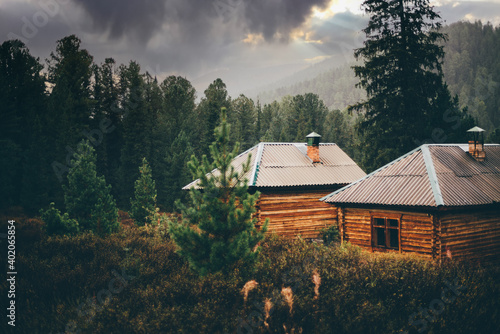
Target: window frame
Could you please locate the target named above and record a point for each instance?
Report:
(386, 227)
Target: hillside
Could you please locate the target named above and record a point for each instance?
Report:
(471, 68)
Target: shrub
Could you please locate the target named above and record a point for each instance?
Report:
(57, 224)
(307, 287)
(330, 235)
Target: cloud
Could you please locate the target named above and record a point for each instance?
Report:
(119, 18)
(142, 19)
(249, 42)
(452, 11)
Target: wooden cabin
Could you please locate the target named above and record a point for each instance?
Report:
(292, 177)
(437, 201)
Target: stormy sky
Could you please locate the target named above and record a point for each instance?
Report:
(247, 43)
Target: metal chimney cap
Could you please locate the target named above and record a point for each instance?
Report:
(476, 129)
(315, 135)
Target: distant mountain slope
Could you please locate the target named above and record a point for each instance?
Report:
(471, 69)
(336, 87)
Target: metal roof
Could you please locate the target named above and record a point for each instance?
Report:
(431, 175)
(287, 165)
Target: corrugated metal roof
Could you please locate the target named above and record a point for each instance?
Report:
(237, 163)
(287, 164)
(431, 175)
(465, 181)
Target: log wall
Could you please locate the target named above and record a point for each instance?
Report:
(416, 229)
(472, 235)
(296, 213)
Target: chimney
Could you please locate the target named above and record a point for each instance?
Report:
(476, 145)
(313, 146)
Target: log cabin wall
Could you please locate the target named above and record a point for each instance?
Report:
(473, 235)
(293, 213)
(416, 230)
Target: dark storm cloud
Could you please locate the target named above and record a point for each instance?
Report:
(141, 18)
(271, 17)
(38, 25)
(197, 17)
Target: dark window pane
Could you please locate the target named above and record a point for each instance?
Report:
(380, 236)
(393, 222)
(379, 221)
(393, 238)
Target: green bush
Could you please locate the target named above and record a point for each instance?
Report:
(330, 235)
(57, 224)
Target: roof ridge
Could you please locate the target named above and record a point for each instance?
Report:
(289, 143)
(256, 165)
(431, 173)
(372, 173)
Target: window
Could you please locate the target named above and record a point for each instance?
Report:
(385, 232)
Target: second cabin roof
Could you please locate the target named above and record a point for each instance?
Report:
(287, 165)
(432, 175)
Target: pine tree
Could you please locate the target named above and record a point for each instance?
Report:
(137, 124)
(144, 201)
(218, 230)
(216, 97)
(176, 173)
(22, 104)
(243, 120)
(107, 117)
(407, 102)
(87, 197)
(309, 113)
(175, 120)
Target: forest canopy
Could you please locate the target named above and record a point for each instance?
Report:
(127, 114)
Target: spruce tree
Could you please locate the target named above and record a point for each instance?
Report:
(244, 119)
(144, 201)
(407, 102)
(217, 229)
(208, 113)
(176, 173)
(22, 105)
(137, 123)
(87, 197)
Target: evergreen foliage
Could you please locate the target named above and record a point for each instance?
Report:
(472, 69)
(176, 172)
(57, 223)
(144, 202)
(127, 115)
(106, 122)
(407, 102)
(217, 230)
(242, 120)
(138, 121)
(307, 115)
(208, 112)
(22, 106)
(87, 197)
